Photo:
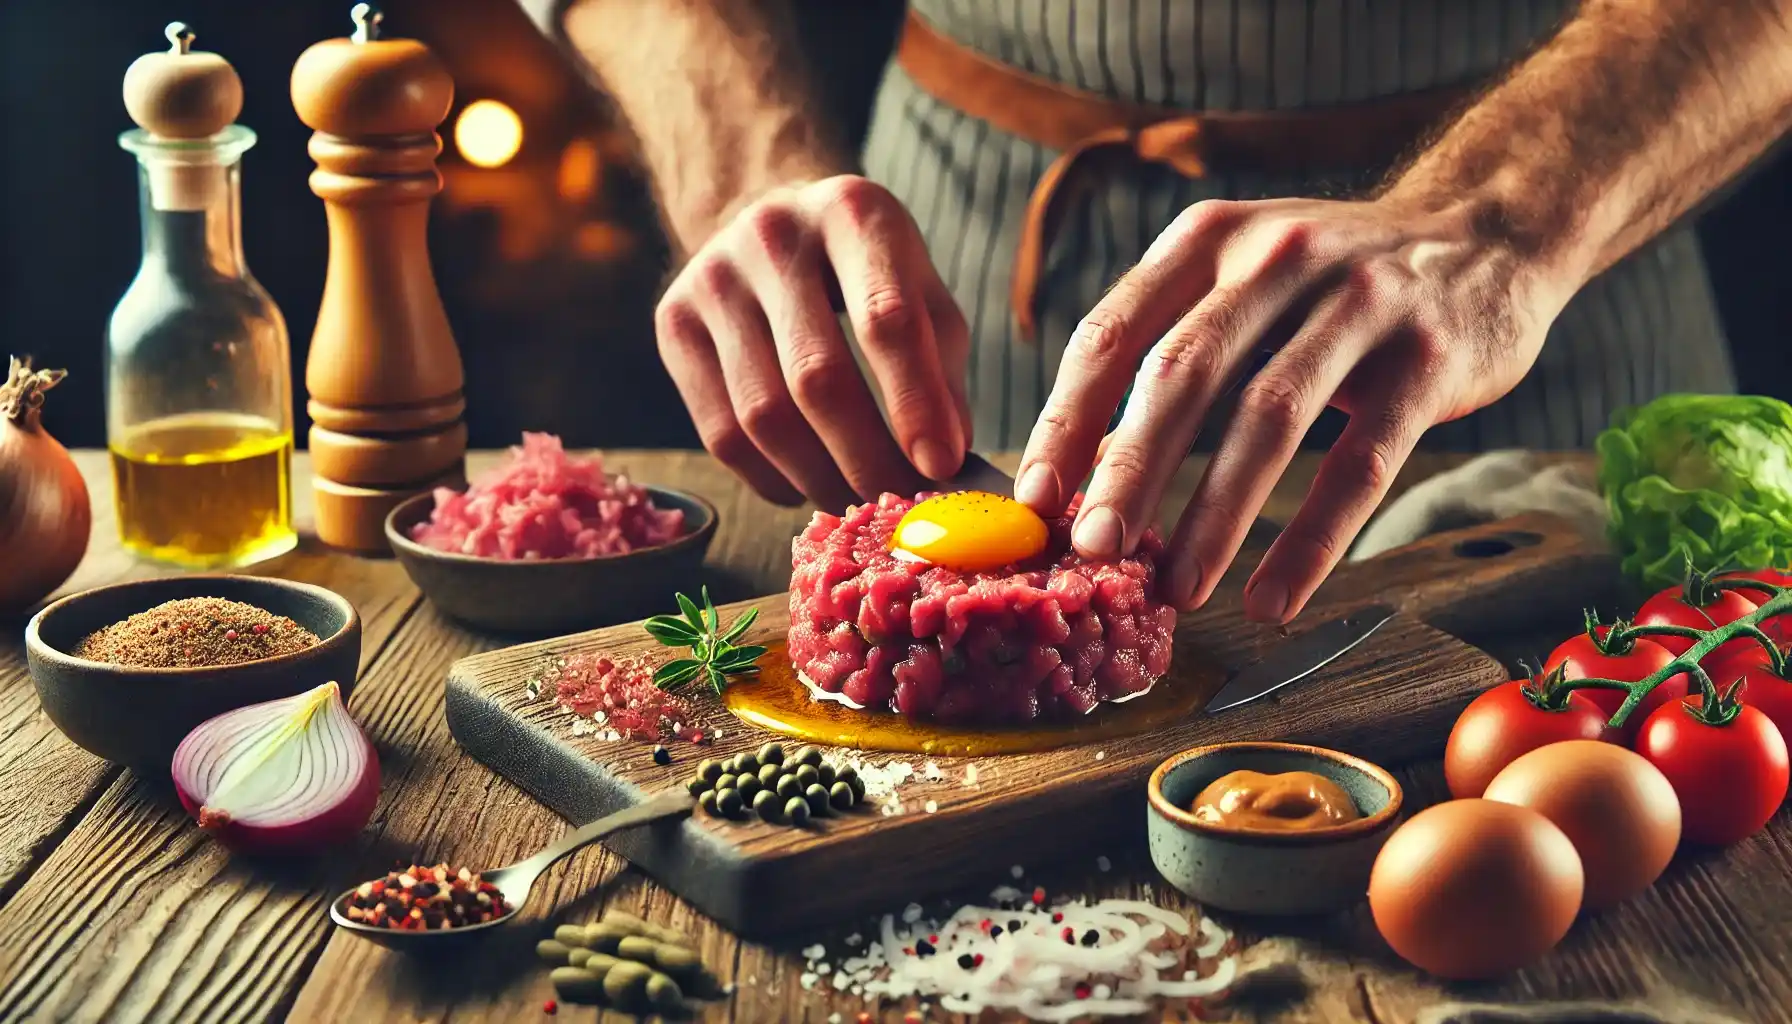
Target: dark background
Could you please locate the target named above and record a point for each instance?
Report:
(548, 266)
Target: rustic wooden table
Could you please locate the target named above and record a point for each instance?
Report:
(114, 907)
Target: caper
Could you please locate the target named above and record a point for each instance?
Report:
(746, 763)
(826, 773)
(767, 805)
(808, 755)
(570, 935)
(788, 786)
(577, 985)
(709, 770)
(626, 984)
(606, 936)
(629, 924)
(676, 960)
(769, 774)
(663, 993)
(840, 795)
(797, 810)
(818, 800)
(729, 803)
(807, 775)
(858, 787)
(579, 957)
(846, 773)
(555, 952)
(707, 801)
(638, 948)
(698, 786)
(771, 753)
(748, 785)
(727, 781)
(667, 936)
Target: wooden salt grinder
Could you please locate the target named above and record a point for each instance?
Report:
(384, 376)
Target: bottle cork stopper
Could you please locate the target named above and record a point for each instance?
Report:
(182, 95)
(180, 92)
(366, 85)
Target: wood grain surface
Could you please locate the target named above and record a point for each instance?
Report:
(113, 907)
(1390, 698)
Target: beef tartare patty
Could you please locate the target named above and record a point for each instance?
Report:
(1049, 638)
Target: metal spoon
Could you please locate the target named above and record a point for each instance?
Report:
(515, 881)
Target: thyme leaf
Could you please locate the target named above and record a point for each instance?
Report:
(714, 656)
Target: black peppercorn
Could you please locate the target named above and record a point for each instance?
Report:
(661, 755)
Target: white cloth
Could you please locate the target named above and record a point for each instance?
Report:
(1491, 486)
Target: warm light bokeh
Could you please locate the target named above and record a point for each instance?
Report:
(488, 133)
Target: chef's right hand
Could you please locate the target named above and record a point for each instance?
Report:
(750, 333)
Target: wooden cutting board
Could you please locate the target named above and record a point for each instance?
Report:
(1391, 699)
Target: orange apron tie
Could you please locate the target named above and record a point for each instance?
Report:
(1346, 137)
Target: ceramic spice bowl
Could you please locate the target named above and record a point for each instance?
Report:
(137, 716)
(1263, 872)
(561, 594)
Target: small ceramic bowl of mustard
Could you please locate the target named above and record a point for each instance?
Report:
(1278, 870)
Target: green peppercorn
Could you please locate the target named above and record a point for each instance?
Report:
(858, 787)
(746, 763)
(748, 785)
(818, 800)
(570, 935)
(769, 774)
(727, 781)
(771, 753)
(577, 985)
(709, 770)
(730, 803)
(788, 786)
(698, 786)
(663, 993)
(767, 805)
(826, 773)
(554, 952)
(707, 801)
(797, 811)
(808, 755)
(808, 775)
(626, 984)
(846, 773)
(840, 795)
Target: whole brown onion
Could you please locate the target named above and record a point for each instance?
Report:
(45, 514)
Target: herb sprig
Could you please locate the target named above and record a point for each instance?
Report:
(713, 654)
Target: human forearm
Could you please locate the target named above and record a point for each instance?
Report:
(1636, 111)
(718, 94)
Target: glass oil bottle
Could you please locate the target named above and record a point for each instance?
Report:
(198, 397)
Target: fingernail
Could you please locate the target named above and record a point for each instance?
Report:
(1037, 486)
(1267, 602)
(1190, 590)
(934, 459)
(1100, 533)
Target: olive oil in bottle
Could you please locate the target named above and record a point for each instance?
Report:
(198, 375)
(205, 489)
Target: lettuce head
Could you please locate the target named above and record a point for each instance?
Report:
(1700, 477)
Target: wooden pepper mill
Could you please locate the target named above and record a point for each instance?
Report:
(384, 376)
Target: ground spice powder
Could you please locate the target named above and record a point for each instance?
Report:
(196, 632)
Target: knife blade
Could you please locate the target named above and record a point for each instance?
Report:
(1300, 657)
(978, 475)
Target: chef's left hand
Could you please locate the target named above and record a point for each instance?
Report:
(1400, 317)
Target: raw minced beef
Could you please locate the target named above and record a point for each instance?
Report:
(1046, 639)
(619, 693)
(542, 503)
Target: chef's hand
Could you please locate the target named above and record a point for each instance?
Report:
(1401, 318)
(751, 336)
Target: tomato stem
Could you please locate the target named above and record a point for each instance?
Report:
(1704, 642)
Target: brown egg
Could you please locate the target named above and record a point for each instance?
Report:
(1617, 809)
(1475, 888)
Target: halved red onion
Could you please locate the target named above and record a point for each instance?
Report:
(286, 776)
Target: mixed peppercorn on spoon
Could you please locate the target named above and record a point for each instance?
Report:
(506, 888)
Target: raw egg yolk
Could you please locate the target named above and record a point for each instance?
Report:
(970, 531)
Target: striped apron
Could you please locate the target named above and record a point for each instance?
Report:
(1647, 326)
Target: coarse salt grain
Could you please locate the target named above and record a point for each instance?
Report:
(1017, 871)
(1103, 864)
(815, 952)
(912, 913)
(854, 939)
(970, 776)
(931, 770)
(808, 979)
(1101, 755)
(931, 806)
